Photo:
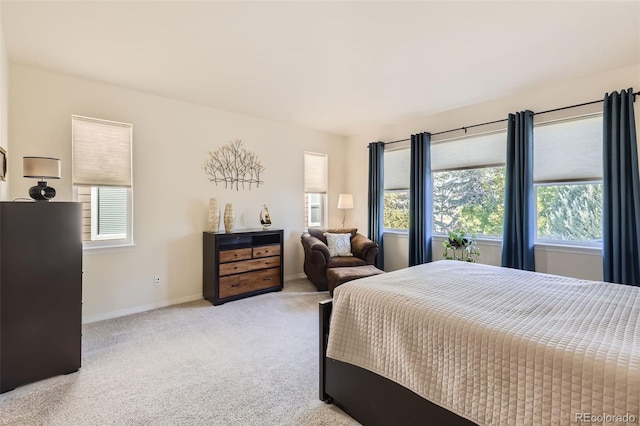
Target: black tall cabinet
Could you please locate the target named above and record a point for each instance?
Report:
(40, 291)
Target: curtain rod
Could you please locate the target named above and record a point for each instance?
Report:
(505, 119)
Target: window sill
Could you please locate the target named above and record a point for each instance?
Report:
(396, 232)
(481, 241)
(568, 248)
(91, 250)
(496, 242)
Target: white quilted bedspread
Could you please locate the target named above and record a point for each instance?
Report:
(497, 346)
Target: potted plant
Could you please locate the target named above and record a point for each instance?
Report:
(460, 246)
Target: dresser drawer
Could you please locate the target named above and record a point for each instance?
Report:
(248, 282)
(232, 255)
(266, 251)
(248, 265)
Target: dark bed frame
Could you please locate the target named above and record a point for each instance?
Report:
(372, 399)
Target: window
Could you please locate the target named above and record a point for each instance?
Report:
(568, 180)
(396, 189)
(315, 189)
(469, 199)
(468, 184)
(570, 212)
(469, 178)
(315, 209)
(102, 180)
(396, 209)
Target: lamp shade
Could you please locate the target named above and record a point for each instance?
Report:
(41, 167)
(345, 201)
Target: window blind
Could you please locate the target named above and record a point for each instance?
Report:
(469, 152)
(112, 211)
(568, 150)
(101, 152)
(397, 168)
(315, 173)
(472, 152)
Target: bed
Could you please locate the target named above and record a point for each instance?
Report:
(460, 343)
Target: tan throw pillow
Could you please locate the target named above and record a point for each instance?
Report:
(338, 244)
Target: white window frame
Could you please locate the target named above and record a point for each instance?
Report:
(120, 238)
(469, 150)
(99, 242)
(320, 205)
(564, 243)
(589, 111)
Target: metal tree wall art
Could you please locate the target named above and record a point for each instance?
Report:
(234, 165)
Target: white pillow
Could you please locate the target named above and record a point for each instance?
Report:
(339, 244)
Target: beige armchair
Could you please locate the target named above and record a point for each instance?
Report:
(317, 257)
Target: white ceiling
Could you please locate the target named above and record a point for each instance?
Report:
(340, 67)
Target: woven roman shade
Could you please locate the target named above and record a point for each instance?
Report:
(101, 152)
(315, 173)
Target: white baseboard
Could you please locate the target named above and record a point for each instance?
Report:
(141, 308)
(295, 277)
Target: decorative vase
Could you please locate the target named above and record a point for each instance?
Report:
(228, 218)
(214, 215)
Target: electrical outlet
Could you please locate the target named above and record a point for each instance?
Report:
(156, 280)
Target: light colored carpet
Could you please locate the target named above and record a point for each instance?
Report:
(248, 362)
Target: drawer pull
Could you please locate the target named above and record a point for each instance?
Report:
(266, 279)
(235, 285)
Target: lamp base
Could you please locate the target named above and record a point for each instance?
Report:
(344, 217)
(42, 192)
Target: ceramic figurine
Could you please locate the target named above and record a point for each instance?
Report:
(265, 219)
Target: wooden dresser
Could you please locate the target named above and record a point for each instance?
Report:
(241, 264)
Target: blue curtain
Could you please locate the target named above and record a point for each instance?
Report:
(518, 233)
(376, 198)
(621, 191)
(420, 200)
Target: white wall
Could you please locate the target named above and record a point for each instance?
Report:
(580, 263)
(4, 111)
(171, 191)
